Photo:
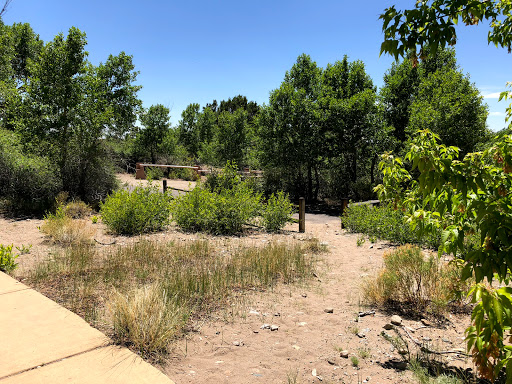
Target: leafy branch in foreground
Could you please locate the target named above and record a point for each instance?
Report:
(463, 197)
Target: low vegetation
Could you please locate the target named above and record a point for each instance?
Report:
(151, 289)
(386, 223)
(142, 210)
(415, 283)
(68, 225)
(7, 259)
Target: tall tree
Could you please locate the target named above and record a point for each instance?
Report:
(156, 126)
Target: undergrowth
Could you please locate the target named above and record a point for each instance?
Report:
(151, 289)
(385, 223)
(415, 283)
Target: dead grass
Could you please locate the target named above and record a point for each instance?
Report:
(150, 288)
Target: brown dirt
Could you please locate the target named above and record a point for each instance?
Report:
(230, 346)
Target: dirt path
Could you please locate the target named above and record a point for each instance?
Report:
(231, 347)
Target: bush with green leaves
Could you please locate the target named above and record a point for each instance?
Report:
(7, 258)
(144, 209)
(28, 182)
(386, 223)
(224, 211)
(277, 212)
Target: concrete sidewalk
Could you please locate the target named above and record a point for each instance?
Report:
(42, 342)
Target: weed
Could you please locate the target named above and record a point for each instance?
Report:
(291, 377)
(24, 249)
(7, 263)
(360, 240)
(77, 210)
(355, 361)
(364, 353)
(65, 230)
(354, 330)
(94, 219)
(421, 374)
(415, 282)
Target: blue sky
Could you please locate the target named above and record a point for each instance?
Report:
(197, 51)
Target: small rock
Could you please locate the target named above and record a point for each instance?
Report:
(255, 331)
(361, 335)
(396, 320)
(324, 243)
(302, 324)
(313, 372)
(304, 295)
(265, 326)
(252, 312)
(274, 328)
(296, 347)
(344, 354)
(277, 314)
(238, 343)
(388, 326)
(446, 341)
(425, 322)
(426, 338)
(412, 330)
(370, 247)
(331, 361)
(329, 310)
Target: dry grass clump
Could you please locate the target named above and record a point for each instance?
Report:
(152, 288)
(415, 283)
(146, 318)
(67, 225)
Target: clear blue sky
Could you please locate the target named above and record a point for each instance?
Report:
(197, 51)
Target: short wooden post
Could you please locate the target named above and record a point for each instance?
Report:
(302, 215)
(344, 205)
(164, 185)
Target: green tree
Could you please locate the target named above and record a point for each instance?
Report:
(450, 106)
(156, 125)
(189, 135)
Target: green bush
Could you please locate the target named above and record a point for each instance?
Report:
(224, 211)
(385, 223)
(7, 263)
(277, 212)
(144, 209)
(154, 173)
(28, 182)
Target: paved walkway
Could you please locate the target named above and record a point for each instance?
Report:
(42, 342)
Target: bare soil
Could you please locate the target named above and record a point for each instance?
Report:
(231, 346)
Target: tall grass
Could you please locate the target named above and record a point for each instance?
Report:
(149, 289)
(415, 283)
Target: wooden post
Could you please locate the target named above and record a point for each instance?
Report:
(302, 215)
(164, 185)
(344, 205)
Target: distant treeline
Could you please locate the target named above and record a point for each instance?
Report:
(67, 123)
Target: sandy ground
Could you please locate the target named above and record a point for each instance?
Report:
(231, 347)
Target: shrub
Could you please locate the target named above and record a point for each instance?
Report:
(277, 212)
(154, 173)
(186, 174)
(222, 212)
(29, 182)
(415, 282)
(65, 230)
(7, 263)
(385, 223)
(144, 209)
(77, 210)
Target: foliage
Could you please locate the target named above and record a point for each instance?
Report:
(386, 223)
(277, 212)
(450, 106)
(142, 210)
(77, 210)
(320, 120)
(461, 197)
(156, 124)
(431, 24)
(223, 211)
(416, 283)
(28, 181)
(7, 259)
